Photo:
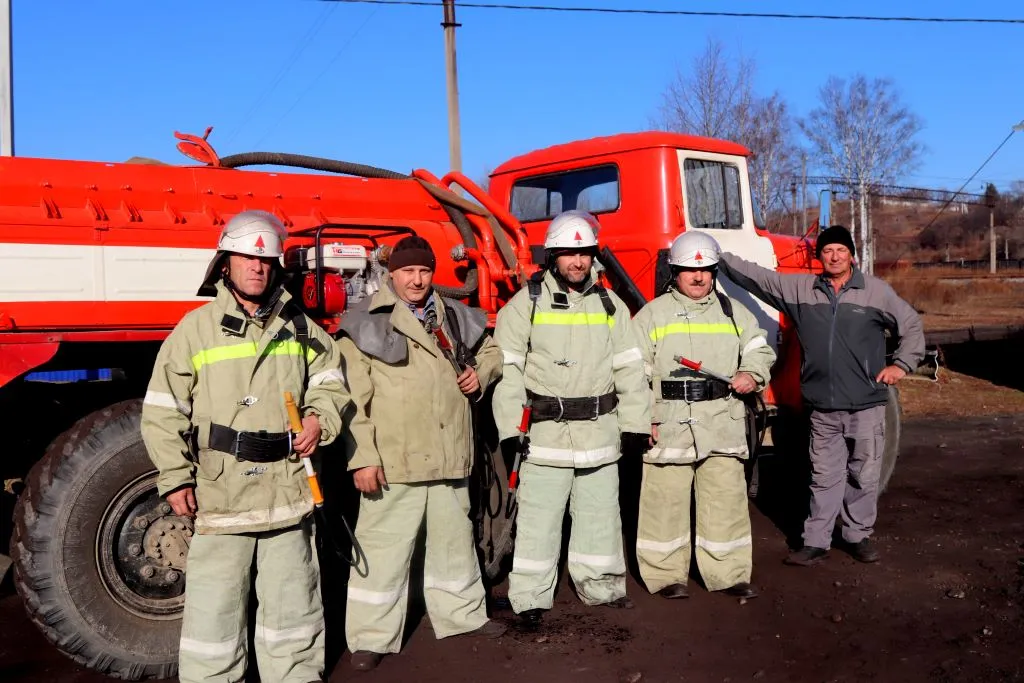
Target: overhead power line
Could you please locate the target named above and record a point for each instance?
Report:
(691, 13)
(1019, 126)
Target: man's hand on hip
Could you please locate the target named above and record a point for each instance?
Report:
(743, 383)
(305, 443)
(891, 374)
(183, 502)
(370, 480)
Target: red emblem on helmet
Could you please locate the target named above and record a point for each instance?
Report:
(259, 243)
(698, 256)
(577, 237)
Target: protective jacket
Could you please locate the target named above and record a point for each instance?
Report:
(410, 415)
(842, 335)
(577, 350)
(700, 330)
(221, 367)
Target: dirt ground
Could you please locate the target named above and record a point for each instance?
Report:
(944, 603)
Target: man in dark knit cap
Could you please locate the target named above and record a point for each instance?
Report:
(413, 435)
(841, 317)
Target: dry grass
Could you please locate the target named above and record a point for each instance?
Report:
(957, 395)
(948, 300)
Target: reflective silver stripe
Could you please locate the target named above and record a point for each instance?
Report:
(326, 376)
(755, 343)
(227, 520)
(201, 647)
(270, 635)
(657, 454)
(610, 561)
(626, 357)
(370, 597)
(521, 564)
(165, 400)
(582, 458)
(513, 359)
(662, 546)
(723, 546)
(452, 585)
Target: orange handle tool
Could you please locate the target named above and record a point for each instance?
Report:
(296, 423)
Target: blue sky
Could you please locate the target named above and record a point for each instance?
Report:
(114, 79)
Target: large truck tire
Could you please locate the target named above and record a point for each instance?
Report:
(893, 431)
(99, 559)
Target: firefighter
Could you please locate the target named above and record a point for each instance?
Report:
(413, 437)
(699, 436)
(215, 425)
(569, 349)
(841, 318)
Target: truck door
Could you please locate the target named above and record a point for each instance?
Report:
(716, 200)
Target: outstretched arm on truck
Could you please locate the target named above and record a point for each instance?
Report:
(778, 291)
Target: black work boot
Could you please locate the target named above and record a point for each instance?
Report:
(365, 660)
(864, 551)
(674, 591)
(619, 603)
(531, 618)
(741, 590)
(807, 556)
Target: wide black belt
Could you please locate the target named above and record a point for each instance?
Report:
(693, 390)
(577, 408)
(259, 446)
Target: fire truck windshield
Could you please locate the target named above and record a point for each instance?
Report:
(594, 189)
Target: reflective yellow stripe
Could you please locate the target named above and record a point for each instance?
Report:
(248, 350)
(558, 318)
(694, 328)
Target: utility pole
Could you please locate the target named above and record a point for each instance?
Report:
(6, 81)
(803, 201)
(992, 239)
(792, 205)
(454, 137)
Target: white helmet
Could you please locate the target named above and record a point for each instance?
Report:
(253, 233)
(694, 249)
(572, 230)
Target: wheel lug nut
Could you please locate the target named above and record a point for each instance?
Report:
(148, 571)
(171, 576)
(134, 549)
(165, 508)
(141, 522)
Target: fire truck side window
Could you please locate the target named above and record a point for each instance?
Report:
(712, 195)
(594, 189)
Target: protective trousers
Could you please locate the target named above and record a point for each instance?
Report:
(452, 588)
(596, 562)
(289, 636)
(723, 540)
(846, 465)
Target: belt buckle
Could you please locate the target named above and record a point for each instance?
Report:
(238, 446)
(597, 408)
(561, 409)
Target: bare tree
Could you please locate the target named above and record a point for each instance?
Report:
(716, 98)
(769, 136)
(862, 131)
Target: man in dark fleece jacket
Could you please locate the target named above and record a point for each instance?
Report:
(841, 317)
